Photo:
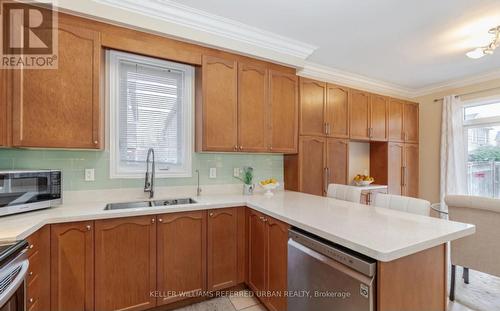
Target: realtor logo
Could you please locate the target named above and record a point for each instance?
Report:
(29, 35)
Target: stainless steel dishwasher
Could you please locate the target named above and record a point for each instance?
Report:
(323, 276)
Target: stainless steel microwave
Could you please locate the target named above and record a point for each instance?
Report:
(28, 190)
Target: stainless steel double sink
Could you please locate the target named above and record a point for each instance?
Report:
(154, 203)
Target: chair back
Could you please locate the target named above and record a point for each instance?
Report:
(404, 204)
(480, 251)
(344, 192)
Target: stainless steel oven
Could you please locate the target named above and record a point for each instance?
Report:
(323, 276)
(13, 268)
(27, 190)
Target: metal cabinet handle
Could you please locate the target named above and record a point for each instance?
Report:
(152, 220)
(96, 142)
(235, 148)
(241, 148)
(160, 219)
(88, 227)
(264, 220)
(31, 300)
(211, 214)
(30, 273)
(31, 246)
(325, 181)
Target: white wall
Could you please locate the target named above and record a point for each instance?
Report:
(359, 159)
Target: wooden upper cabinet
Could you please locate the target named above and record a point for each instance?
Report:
(72, 266)
(395, 120)
(60, 108)
(5, 107)
(395, 168)
(337, 160)
(410, 123)
(222, 248)
(257, 233)
(312, 107)
(219, 109)
(277, 254)
(253, 127)
(410, 170)
(337, 111)
(312, 163)
(283, 97)
(125, 263)
(181, 255)
(359, 115)
(378, 117)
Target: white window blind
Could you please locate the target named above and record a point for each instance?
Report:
(150, 107)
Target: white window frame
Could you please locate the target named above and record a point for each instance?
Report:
(113, 58)
(481, 122)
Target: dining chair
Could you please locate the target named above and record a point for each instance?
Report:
(480, 251)
(344, 192)
(402, 203)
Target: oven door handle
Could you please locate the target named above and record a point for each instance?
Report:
(16, 283)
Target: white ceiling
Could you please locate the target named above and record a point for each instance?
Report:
(413, 44)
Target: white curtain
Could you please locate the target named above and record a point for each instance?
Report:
(453, 162)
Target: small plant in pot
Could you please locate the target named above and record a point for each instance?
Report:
(247, 179)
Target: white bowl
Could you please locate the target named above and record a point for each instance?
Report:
(363, 182)
(269, 188)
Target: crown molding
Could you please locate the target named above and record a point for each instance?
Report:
(456, 83)
(328, 74)
(195, 19)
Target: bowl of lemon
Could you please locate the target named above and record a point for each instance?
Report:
(269, 185)
(363, 180)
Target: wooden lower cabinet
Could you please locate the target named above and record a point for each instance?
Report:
(181, 255)
(125, 263)
(222, 256)
(267, 257)
(72, 266)
(38, 279)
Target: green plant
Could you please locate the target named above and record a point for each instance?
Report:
(485, 153)
(247, 176)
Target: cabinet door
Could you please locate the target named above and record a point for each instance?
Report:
(410, 170)
(181, 255)
(395, 120)
(312, 165)
(219, 108)
(337, 160)
(257, 232)
(72, 266)
(277, 254)
(252, 108)
(222, 248)
(337, 111)
(5, 106)
(125, 263)
(312, 107)
(60, 108)
(378, 117)
(359, 115)
(395, 168)
(38, 278)
(411, 122)
(283, 94)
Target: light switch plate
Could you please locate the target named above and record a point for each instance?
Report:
(213, 173)
(89, 174)
(236, 172)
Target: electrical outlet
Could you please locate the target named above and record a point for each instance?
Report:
(213, 173)
(89, 174)
(236, 172)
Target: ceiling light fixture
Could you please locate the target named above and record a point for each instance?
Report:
(490, 48)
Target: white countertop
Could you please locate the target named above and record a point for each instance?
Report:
(379, 233)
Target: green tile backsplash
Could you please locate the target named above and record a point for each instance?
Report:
(73, 163)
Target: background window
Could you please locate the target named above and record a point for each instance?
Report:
(482, 127)
(151, 104)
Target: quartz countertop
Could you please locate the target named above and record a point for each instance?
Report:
(380, 233)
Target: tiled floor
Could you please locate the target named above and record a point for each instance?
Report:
(242, 300)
